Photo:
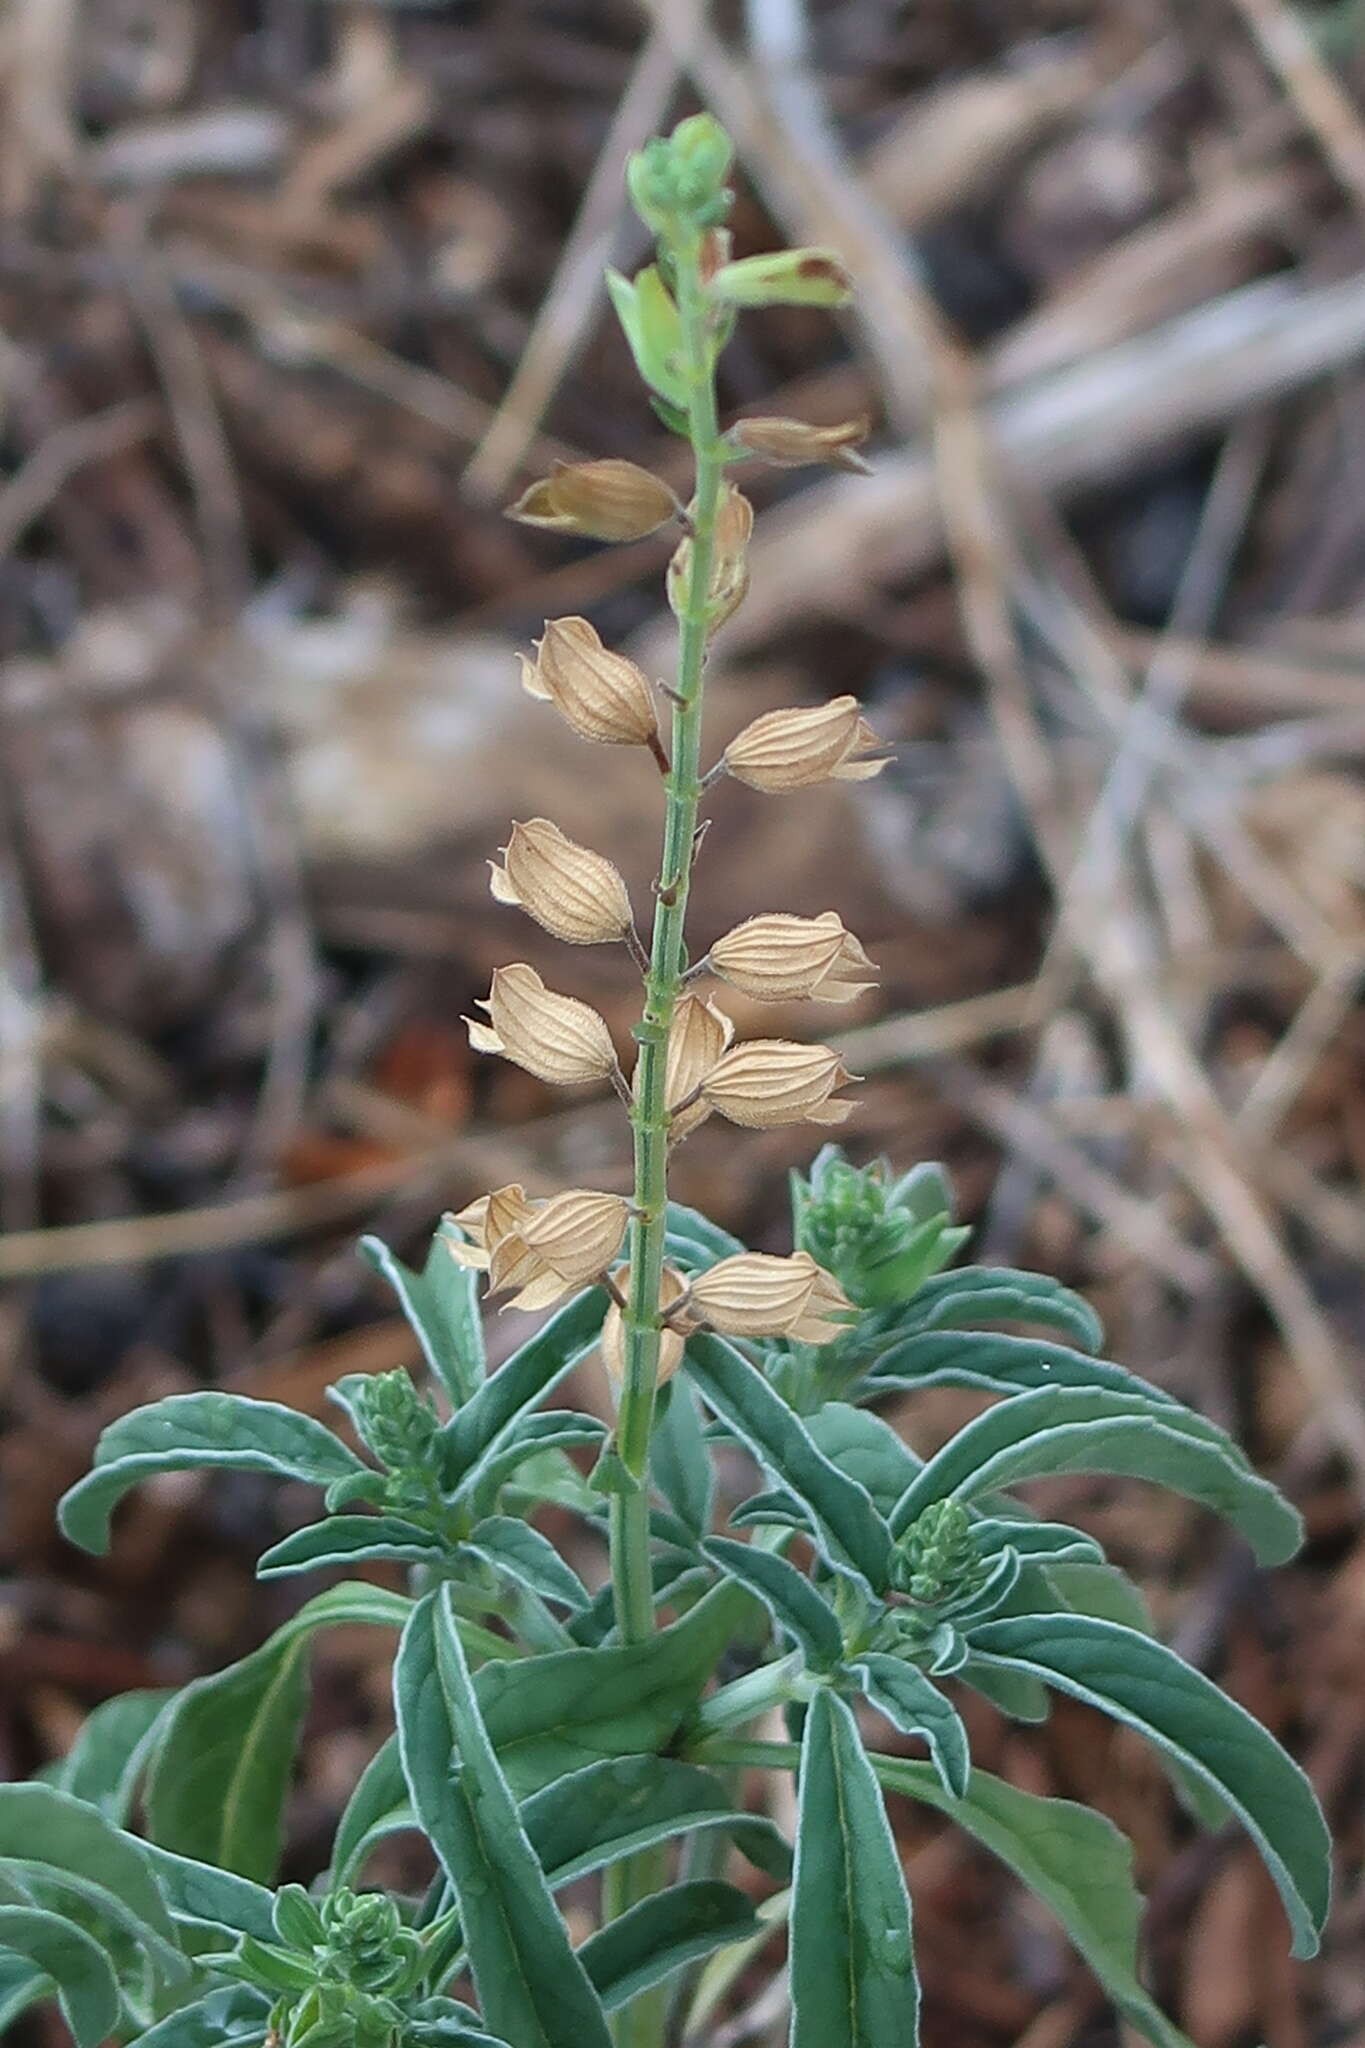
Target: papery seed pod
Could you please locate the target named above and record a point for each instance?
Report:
(698, 1036)
(608, 500)
(785, 277)
(785, 750)
(781, 958)
(757, 1295)
(601, 695)
(770, 1081)
(729, 580)
(554, 1037)
(570, 890)
(562, 1245)
(485, 1220)
(827, 1314)
(613, 1340)
(791, 444)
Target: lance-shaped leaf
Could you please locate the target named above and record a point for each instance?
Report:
(81, 1973)
(557, 1713)
(221, 1774)
(969, 1296)
(534, 1437)
(22, 1984)
(378, 1806)
(680, 1460)
(662, 1934)
(50, 1835)
(609, 1810)
(526, 1378)
(1075, 1861)
(999, 1364)
(204, 1896)
(235, 2016)
(867, 1449)
(441, 1304)
(1071, 1431)
(766, 1426)
(532, 1987)
(187, 1431)
(789, 1596)
(522, 1554)
(1048, 1542)
(350, 1540)
(912, 1703)
(1144, 1684)
(852, 1956)
(107, 1759)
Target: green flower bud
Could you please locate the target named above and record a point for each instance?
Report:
(681, 180)
(395, 1420)
(937, 1561)
(882, 1239)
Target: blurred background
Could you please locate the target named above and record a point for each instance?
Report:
(294, 296)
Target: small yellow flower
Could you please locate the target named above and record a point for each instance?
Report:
(602, 695)
(613, 1340)
(792, 443)
(570, 890)
(785, 958)
(608, 500)
(554, 1037)
(756, 1295)
(769, 1081)
(785, 750)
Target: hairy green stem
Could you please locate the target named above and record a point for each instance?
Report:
(641, 2024)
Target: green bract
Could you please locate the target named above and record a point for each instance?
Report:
(558, 1722)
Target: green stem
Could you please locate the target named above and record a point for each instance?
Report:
(641, 2023)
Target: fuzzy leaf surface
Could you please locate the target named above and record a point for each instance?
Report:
(86, 1987)
(912, 1703)
(529, 1374)
(441, 1304)
(662, 1934)
(789, 1596)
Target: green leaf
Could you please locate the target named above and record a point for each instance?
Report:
(789, 1596)
(21, 1985)
(207, 1897)
(777, 1438)
(1051, 1543)
(1066, 1430)
(221, 1775)
(532, 1987)
(534, 1438)
(1144, 1684)
(53, 1835)
(529, 1374)
(1074, 1860)
(608, 1810)
(649, 320)
(378, 1806)
(351, 1540)
(868, 1449)
(662, 1934)
(86, 1987)
(912, 1703)
(998, 1364)
(1013, 1693)
(522, 1554)
(680, 1460)
(109, 1755)
(188, 1431)
(234, 2016)
(549, 1715)
(442, 1305)
(852, 1956)
(972, 1295)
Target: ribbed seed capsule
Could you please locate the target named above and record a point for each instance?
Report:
(608, 500)
(560, 1246)
(570, 890)
(554, 1037)
(602, 695)
(785, 750)
(613, 1339)
(487, 1220)
(776, 957)
(729, 581)
(790, 444)
(698, 1036)
(756, 1295)
(769, 1081)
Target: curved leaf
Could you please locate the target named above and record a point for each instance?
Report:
(378, 1806)
(867, 1448)
(350, 1540)
(188, 1431)
(852, 1956)
(969, 1296)
(778, 1439)
(521, 1553)
(534, 1437)
(680, 1460)
(52, 1834)
(86, 1987)
(999, 1364)
(105, 1762)
(441, 1304)
(1144, 1684)
(913, 1704)
(532, 1987)
(662, 1934)
(789, 1596)
(21, 1985)
(528, 1375)
(207, 1897)
(595, 1816)
(1049, 1543)
(235, 2016)
(1066, 1430)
